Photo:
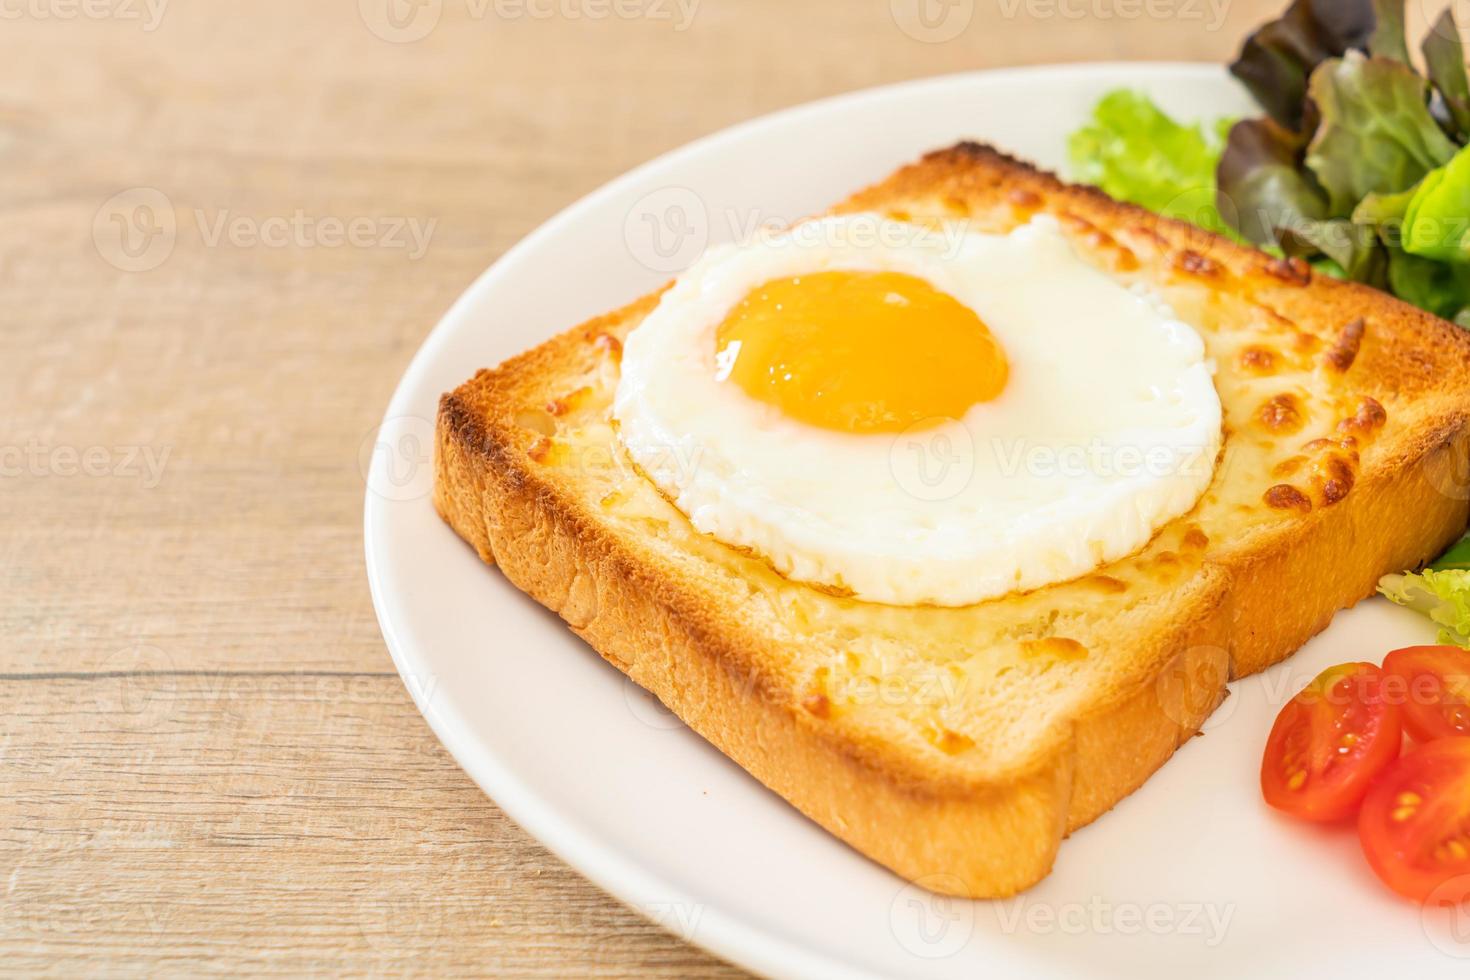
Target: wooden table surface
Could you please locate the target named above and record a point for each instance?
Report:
(209, 762)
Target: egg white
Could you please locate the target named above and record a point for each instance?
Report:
(1108, 427)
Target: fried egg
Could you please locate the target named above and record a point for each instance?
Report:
(918, 414)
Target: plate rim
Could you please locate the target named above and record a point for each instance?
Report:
(723, 933)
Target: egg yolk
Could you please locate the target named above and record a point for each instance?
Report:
(860, 352)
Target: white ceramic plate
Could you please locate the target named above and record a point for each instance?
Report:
(1189, 876)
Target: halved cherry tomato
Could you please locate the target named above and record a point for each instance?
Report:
(1415, 823)
(1433, 684)
(1329, 742)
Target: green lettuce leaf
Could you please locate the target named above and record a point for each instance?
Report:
(1356, 166)
(1276, 61)
(1388, 39)
(1263, 187)
(1376, 135)
(1436, 222)
(1356, 249)
(1439, 287)
(1135, 152)
(1458, 557)
(1386, 210)
(1443, 596)
(1272, 199)
(1444, 57)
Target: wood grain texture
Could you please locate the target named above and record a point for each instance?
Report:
(208, 762)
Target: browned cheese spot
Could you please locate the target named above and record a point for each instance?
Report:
(1284, 496)
(1368, 419)
(1294, 270)
(1021, 197)
(1347, 444)
(1258, 360)
(1196, 264)
(1153, 237)
(1334, 476)
(1123, 258)
(1344, 350)
(1281, 414)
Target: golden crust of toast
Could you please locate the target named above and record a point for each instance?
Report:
(958, 747)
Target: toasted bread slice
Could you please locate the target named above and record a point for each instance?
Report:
(958, 746)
